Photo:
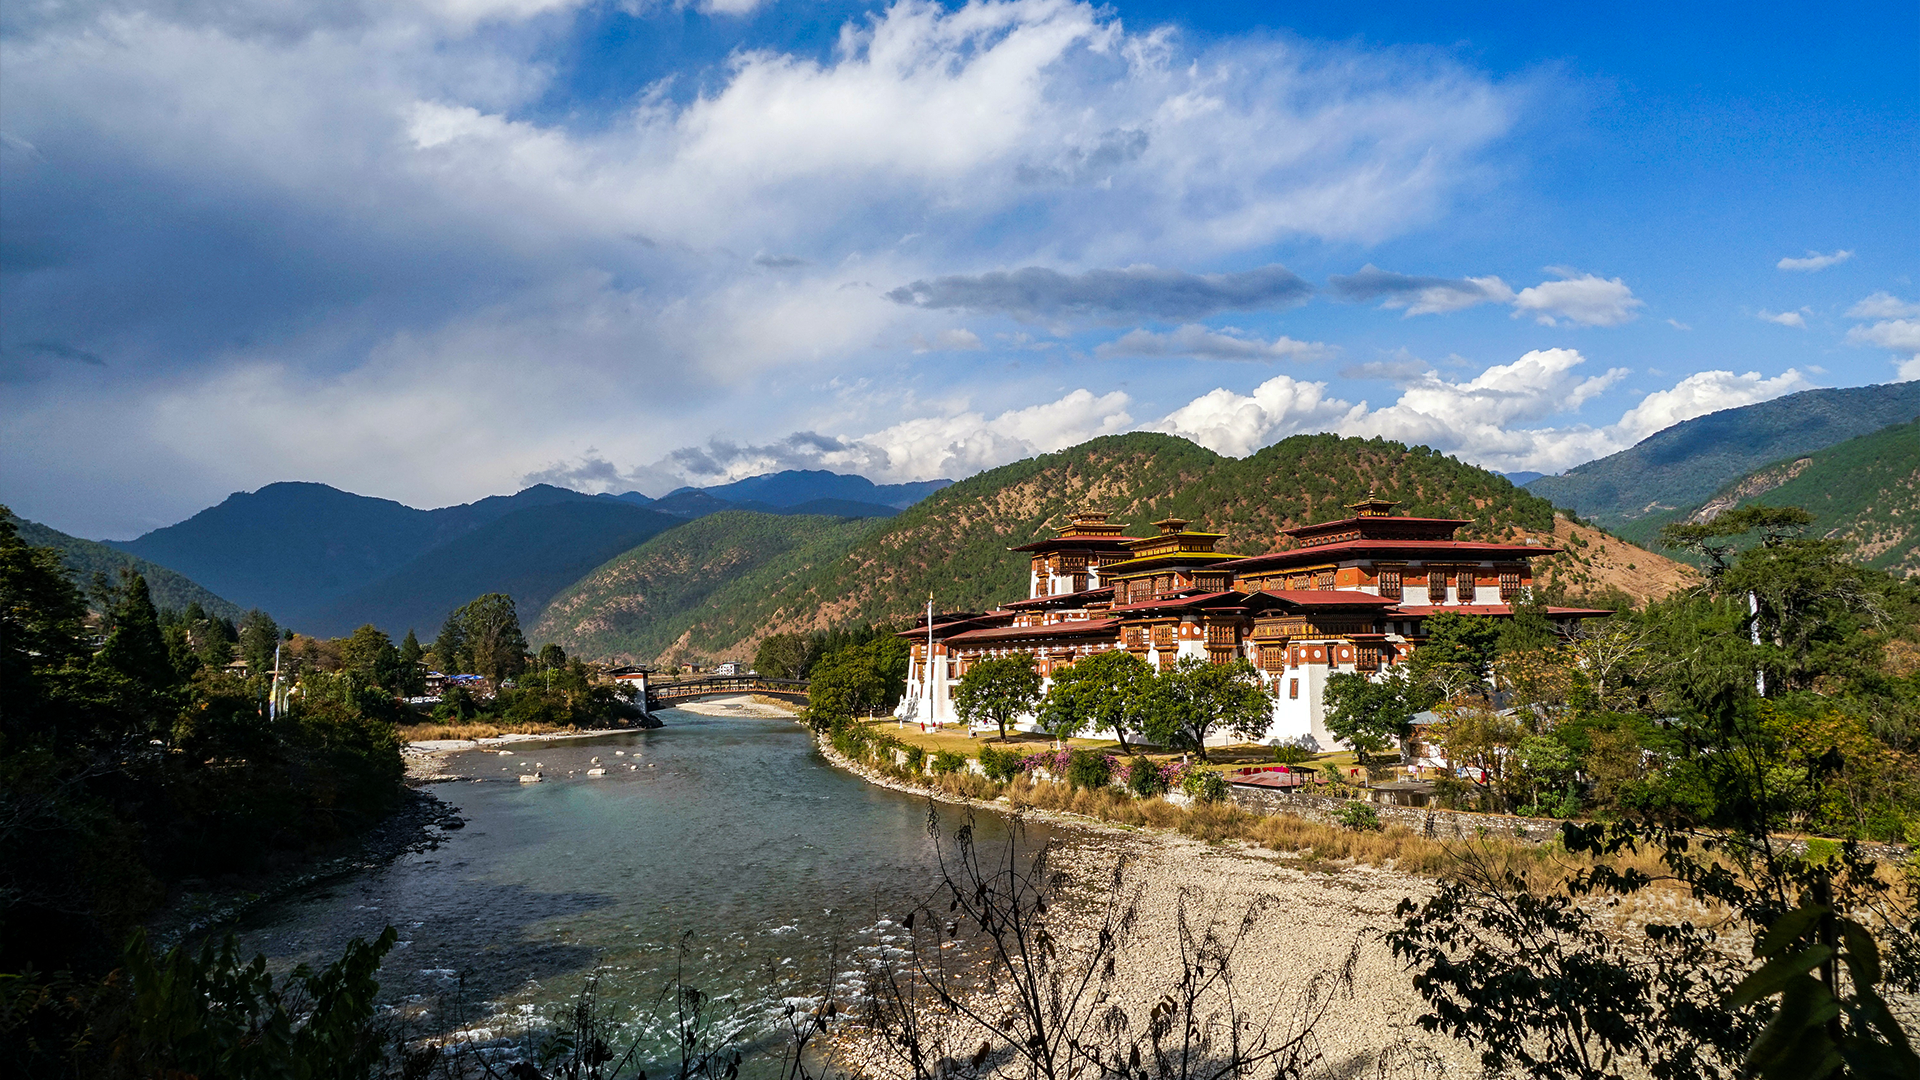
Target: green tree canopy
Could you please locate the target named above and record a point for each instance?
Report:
(369, 656)
(1369, 715)
(1111, 690)
(258, 639)
(857, 678)
(998, 691)
(1199, 697)
(1457, 653)
(485, 635)
(413, 676)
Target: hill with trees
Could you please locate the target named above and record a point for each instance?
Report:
(953, 544)
(693, 585)
(1864, 493)
(84, 558)
(529, 554)
(1635, 491)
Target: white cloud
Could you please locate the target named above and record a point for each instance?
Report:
(1784, 318)
(1199, 342)
(958, 339)
(1239, 424)
(1898, 335)
(1907, 370)
(1678, 325)
(1814, 261)
(1579, 298)
(1480, 419)
(1883, 306)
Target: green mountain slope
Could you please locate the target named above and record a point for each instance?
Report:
(529, 554)
(706, 580)
(86, 558)
(1636, 491)
(954, 543)
(1864, 492)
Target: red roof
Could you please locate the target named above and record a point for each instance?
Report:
(1083, 627)
(1408, 548)
(1330, 598)
(1424, 610)
(1082, 595)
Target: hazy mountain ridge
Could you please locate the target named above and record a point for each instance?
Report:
(529, 554)
(1639, 489)
(954, 543)
(85, 558)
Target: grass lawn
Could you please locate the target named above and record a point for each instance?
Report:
(954, 740)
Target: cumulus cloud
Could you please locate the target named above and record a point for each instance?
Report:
(1813, 261)
(1419, 295)
(1136, 291)
(1493, 419)
(1784, 318)
(1204, 344)
(1899, 335)
(1581, 299)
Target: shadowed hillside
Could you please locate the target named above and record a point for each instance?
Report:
(85, 558)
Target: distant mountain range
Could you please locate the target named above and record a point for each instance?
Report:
(325, 561)
(85, 558)
(1636, 491)
(795, 491)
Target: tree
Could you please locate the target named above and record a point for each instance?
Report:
(488, 630)
(857, 678)
(1457, 653)
(998, 691)
(370, 657)
(258, 638)
(135, 647)
(1111, 690)
(1371, 715)
(450, 653)
(413, 682)
(552, 658)
(1199, 697)
(784, 656)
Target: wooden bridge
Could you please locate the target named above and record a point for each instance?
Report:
(665, 695)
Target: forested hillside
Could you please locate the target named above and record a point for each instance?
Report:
(953, 544)
(1864, 492)
(1637, 490)
(84, 558)
(704, 581)
(530, 555)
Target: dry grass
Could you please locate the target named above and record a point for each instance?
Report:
(431, 731)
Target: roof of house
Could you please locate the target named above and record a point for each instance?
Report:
(1212, 599)
(1421, 611)
(1071, 599)
(1330, 598)
(1436, 550)
(1078, 628)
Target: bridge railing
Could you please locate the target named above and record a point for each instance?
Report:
(681, 689)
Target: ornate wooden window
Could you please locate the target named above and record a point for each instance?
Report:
(1466, 587)
(1390, 583)
(1220, 634)
(1436, 586)
(1323, 579)
(1293, 688)
(1509, 586)
(1367, 657)
(1163, 636)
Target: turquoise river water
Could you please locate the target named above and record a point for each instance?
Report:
(725, 845)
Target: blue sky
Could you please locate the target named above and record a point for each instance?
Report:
(438, 249)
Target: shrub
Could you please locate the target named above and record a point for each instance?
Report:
(916, 760)
(1144, 778)
(1001, 765)
(1089, 769)
(946, 761)
(1358, 815)
(1289, 754)
(1204, 785)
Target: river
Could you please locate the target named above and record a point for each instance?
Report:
(726, 844)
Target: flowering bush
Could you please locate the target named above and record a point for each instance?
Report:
(1056, 762)
(1204, 785)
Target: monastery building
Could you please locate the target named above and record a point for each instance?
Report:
(1348, 596)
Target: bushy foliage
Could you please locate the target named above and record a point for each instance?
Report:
(1001, 765)
(1089, 769)
(946, 762)
(1144, 778)
(1204, 785)
(1358, 815)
